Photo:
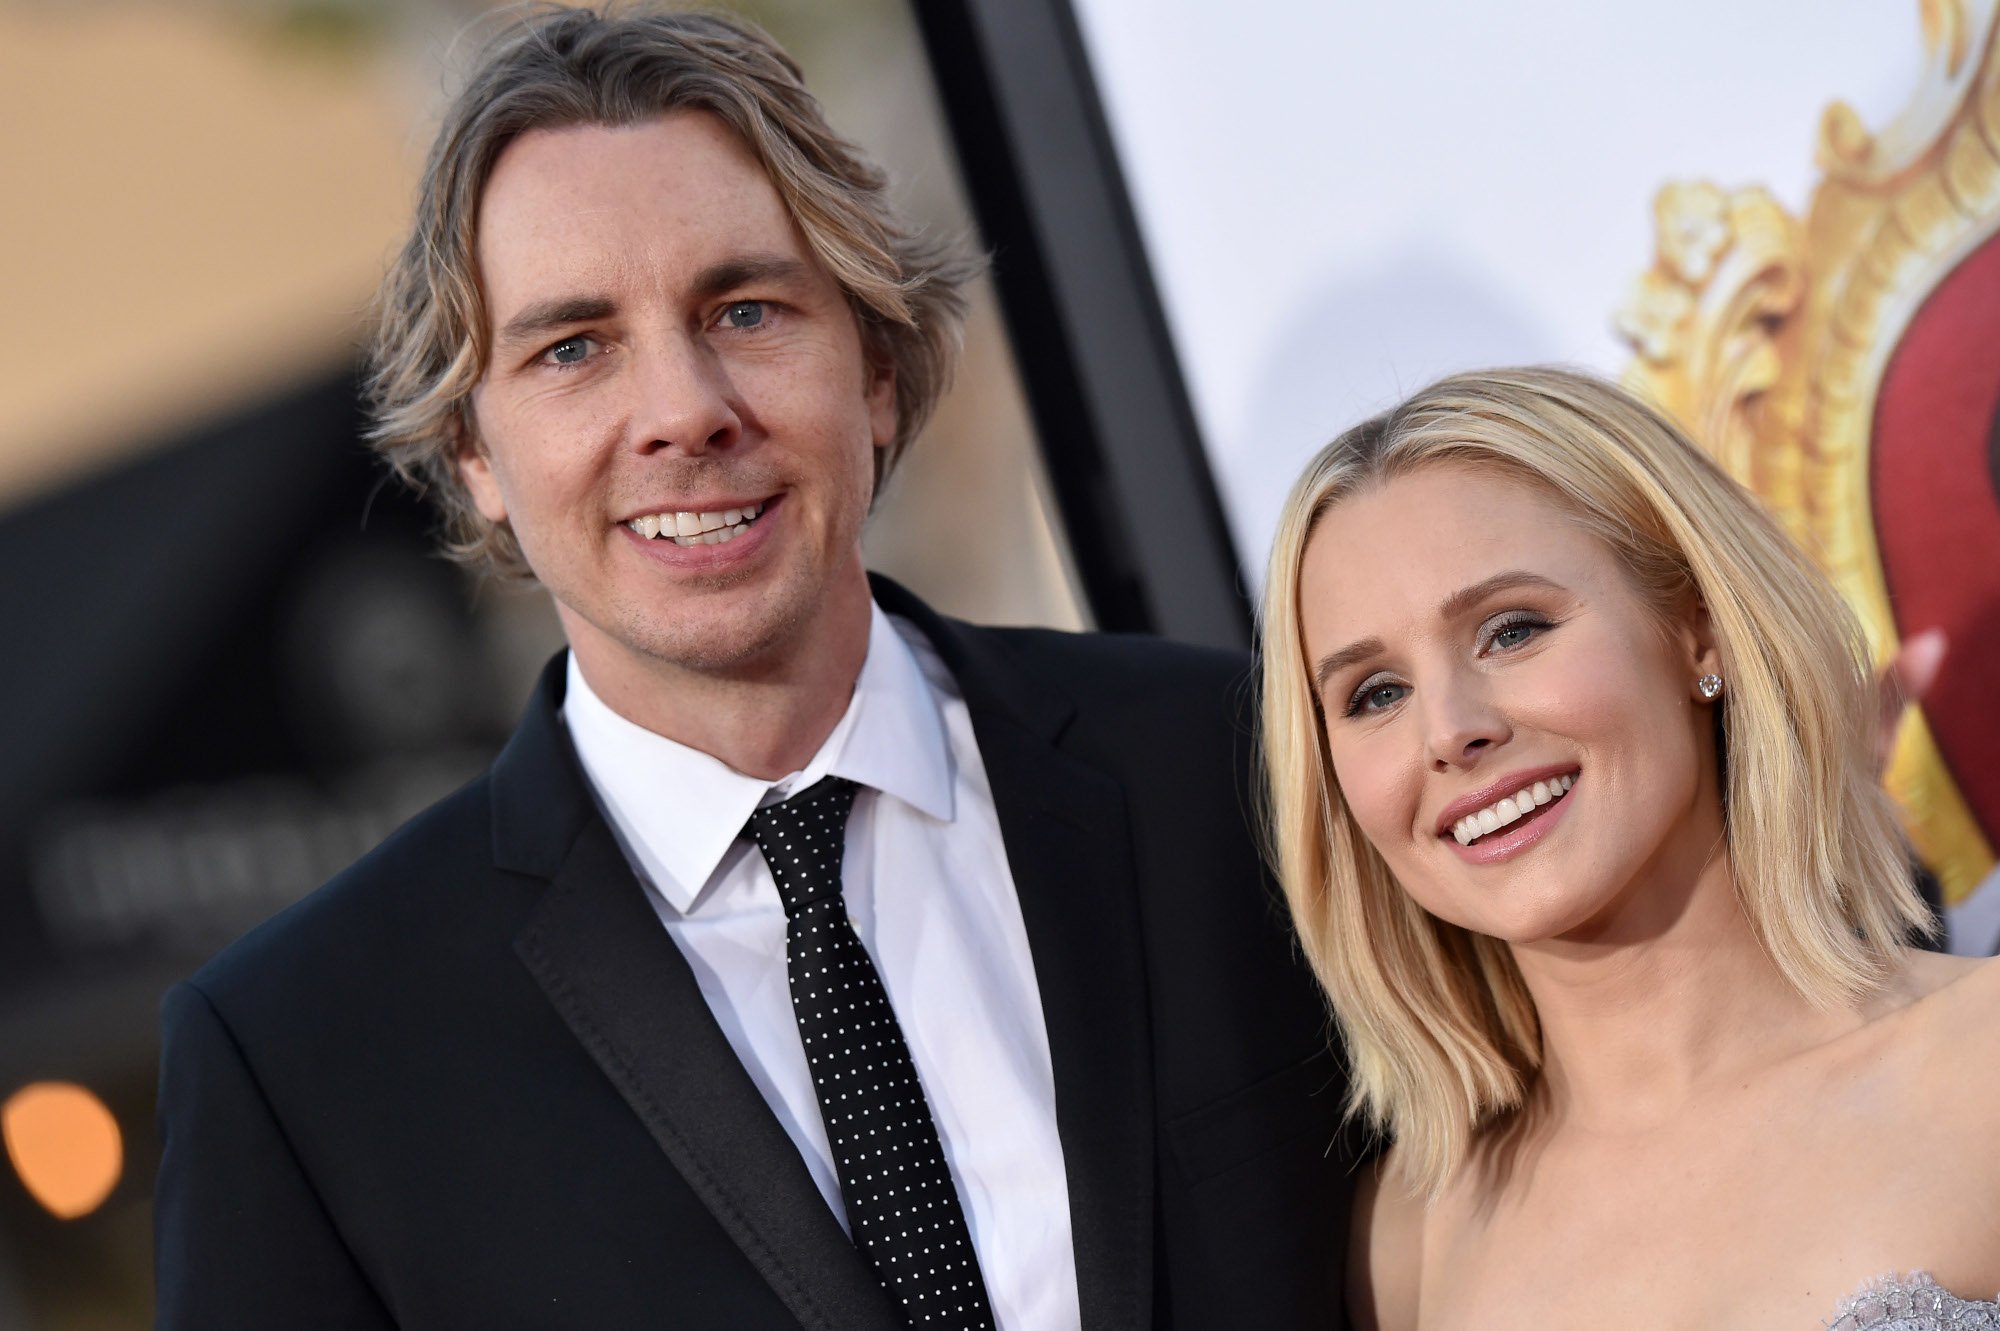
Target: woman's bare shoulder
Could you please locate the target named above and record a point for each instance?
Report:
(1384, 1249)
(1953, 1077)
(1931, 990)
(1952, 992)
(1956, 1040)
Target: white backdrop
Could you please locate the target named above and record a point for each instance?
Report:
(1343, 200)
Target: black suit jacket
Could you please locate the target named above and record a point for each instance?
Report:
(472, 1082)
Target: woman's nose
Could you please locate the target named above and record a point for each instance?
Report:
(1461, 722)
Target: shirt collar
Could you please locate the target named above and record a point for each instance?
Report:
(680, 809)
(895, 740)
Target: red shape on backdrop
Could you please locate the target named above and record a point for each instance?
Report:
(1937, 514)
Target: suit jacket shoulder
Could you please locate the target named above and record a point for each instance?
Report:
(411, 873)
(1145, 704)
(470, 1077)
(1114, 672)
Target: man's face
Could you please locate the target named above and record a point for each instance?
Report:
(665, 346)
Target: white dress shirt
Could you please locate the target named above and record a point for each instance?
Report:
(930, 894)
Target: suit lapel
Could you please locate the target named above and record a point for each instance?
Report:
(622, 986)
(1068, 847)
(626, 992)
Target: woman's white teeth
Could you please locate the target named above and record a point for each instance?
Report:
(705, 528)
(1511, 809)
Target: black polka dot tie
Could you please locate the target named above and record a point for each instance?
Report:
(901, 1206)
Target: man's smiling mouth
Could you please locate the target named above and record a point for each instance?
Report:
(704, 528)
(1524, 803)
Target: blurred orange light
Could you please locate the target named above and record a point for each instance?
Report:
(65, 1146)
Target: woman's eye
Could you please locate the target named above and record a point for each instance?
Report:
(744, 314)
(569, 351)
(1511, 633)
(1375, 696)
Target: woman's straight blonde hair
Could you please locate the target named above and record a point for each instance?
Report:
(1440, 1031)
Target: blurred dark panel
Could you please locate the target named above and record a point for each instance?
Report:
(232, 667)
(1118, 434)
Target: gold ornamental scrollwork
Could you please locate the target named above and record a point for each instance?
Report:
(1708, 318)
(1767, 336)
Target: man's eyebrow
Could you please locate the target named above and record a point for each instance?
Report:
(545, 316)
(1453, 606)
(743, 270)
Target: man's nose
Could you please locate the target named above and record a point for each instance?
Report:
(1462, 722)
(682, 399)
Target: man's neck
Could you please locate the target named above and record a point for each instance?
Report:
(766, 719)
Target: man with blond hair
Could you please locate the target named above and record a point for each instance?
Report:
(807, 958)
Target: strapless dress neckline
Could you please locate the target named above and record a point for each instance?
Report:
(1913, 1303)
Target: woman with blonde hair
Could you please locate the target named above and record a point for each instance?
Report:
(1572, 794)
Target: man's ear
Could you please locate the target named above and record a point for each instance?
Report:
(475, 469)
(883, 417)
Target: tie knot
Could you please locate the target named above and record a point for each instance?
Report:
(803, 839)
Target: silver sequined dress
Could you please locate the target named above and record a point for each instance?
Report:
(1913, 1303)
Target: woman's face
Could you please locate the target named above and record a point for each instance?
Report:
(1473, 642)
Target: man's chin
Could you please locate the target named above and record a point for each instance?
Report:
(745, 638)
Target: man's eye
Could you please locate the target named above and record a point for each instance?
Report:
(569, 351)
(744, 314)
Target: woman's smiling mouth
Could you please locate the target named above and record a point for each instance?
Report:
(1510, 809)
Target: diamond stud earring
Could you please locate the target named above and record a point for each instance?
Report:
(1710, 686)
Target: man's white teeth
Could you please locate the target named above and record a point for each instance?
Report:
(1511, 809)
(705, 528)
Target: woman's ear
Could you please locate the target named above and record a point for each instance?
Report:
(1695, 633)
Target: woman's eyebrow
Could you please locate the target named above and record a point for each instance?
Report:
(1334, 662)
(1465, 598)
(1452, 606)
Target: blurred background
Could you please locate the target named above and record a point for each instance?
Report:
(233, 663)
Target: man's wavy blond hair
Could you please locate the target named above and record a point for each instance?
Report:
(1440, 1030)
(557, 67)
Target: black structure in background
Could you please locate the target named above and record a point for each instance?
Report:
(1145, 525)
(247, 610)
(233, 664)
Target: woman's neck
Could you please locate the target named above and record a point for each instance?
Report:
(1666, 997)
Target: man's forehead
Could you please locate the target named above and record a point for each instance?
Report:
(660, 199)
(684, 166)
